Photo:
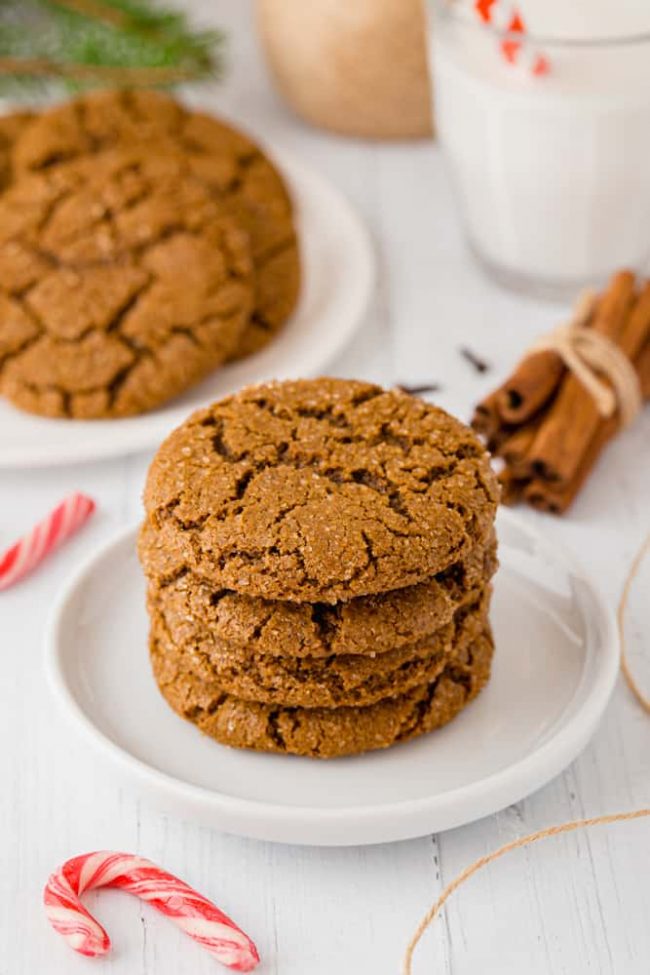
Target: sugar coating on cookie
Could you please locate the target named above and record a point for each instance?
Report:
(229, 164)
(238, 624)
(341, 680)
(324, 732)
(122, 283)
(319, 490)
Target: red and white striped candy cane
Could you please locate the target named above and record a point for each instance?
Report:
(195, 915)
(45, 537)
(505, 17)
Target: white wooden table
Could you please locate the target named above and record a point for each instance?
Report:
(573, 905)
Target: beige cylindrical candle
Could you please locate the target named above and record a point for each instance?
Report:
(358, 68)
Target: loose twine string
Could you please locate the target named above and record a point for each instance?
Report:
(590, 355)
(630, 680)
(569, 827)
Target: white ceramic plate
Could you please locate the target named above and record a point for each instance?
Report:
(555, 666)
(338, 273)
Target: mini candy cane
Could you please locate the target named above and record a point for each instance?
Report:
(195, 915)
(44, 538)
(503, 16)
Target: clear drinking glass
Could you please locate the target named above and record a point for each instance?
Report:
(551, 173)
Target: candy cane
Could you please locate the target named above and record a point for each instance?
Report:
(504, 17)
(45, 537)
(195, 915)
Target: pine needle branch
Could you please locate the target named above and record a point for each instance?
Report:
(104, 74)
(96, 10)
(103, 42)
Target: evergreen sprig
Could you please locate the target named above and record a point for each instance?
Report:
(101, 42)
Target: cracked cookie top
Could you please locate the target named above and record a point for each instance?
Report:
(231, 166)
(122, 282)
(320, 490)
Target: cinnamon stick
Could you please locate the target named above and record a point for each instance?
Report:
(573, 419)
(531, 385)
(486, 419)
(555, 499)
(496, 441)
(515, 449)
(512, 487)
(538, 374)
(643, 369)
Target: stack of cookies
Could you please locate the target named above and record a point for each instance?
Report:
(141, 246)
(318, 557)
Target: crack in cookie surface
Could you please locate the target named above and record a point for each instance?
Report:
(241, 625)
(228, 163)
(123, 283)
(312, 491)
(340, 680)
(325, 732)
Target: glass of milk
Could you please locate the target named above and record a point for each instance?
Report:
(551, 173)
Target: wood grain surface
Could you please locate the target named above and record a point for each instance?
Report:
(578, 904)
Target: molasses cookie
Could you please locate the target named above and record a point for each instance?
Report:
(324, 732)
(341, 680)
(365, 625)
(122, 283)
(319, 491)
(229, 164)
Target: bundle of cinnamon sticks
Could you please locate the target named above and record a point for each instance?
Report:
(544, 423)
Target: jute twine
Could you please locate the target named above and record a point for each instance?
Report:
(590, 355)
(569, 827)
(625, 666)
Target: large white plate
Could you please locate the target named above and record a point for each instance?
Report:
(338, 272)
(555, 666)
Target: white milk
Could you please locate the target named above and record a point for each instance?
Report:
(552, 174)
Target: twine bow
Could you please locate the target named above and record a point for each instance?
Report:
(589, 356)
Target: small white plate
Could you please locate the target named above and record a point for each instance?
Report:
(554, 669)
(338, 272)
